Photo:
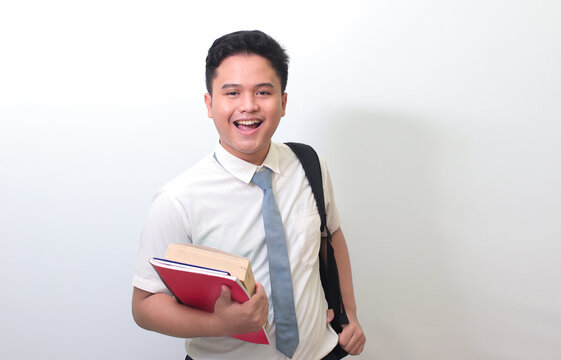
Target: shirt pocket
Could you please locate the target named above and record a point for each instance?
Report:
(307, 225)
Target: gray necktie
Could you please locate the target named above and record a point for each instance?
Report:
(279, 267)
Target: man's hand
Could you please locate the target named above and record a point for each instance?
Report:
(232, 318)
(352, 338)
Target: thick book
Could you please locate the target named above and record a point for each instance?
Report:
(200, 255)
(200, 286)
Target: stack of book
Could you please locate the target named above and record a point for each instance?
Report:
(194, 274)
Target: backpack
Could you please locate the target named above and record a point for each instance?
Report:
(328, 269)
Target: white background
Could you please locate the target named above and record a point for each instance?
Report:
(440, 121)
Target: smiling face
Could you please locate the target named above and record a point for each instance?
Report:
(246, 105)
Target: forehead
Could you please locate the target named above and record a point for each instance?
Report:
(245, 69)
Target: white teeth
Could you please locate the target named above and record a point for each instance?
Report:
(247, 122)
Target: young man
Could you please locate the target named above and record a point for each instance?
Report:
(215, 203)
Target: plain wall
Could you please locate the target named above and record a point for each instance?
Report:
(440, 122)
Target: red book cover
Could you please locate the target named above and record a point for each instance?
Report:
(199, 287)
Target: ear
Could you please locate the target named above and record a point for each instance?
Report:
(208, 102)
(284, 97)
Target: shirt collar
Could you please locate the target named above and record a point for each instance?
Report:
(242, 169)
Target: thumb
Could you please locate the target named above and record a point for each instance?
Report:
(330, 315)
(226, 293)
(224, 298)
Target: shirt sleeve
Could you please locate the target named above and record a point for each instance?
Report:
(166, 224)
(333, 219)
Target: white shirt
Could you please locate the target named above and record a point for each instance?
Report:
(215, 204)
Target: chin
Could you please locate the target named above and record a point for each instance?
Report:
(250, 147)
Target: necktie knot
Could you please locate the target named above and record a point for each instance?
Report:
(263, 179)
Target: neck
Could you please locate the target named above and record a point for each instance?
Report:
(256, 157)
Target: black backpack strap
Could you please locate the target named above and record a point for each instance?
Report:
(310, 162)
(328, 266)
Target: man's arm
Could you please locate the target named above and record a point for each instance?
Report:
(352, 338)
(162, 313)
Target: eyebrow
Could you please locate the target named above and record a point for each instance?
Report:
(228, 86)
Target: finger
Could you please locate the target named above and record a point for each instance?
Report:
(259, 300)
(226, 291)
(344, 336)
(259, 296)
(330, 315)
(355, 348)
(260, 290)
(352, 340)
(351, 346)
(225, 294)
(223, 299)
(259, 304)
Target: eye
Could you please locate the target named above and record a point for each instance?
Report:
(263, 92)
(232, 93)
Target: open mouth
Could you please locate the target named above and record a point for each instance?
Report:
(247, 124)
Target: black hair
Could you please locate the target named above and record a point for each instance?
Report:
(247, 42)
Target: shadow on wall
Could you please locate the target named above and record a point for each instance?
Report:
(385, 169)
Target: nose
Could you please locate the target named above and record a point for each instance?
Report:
(248, 103)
